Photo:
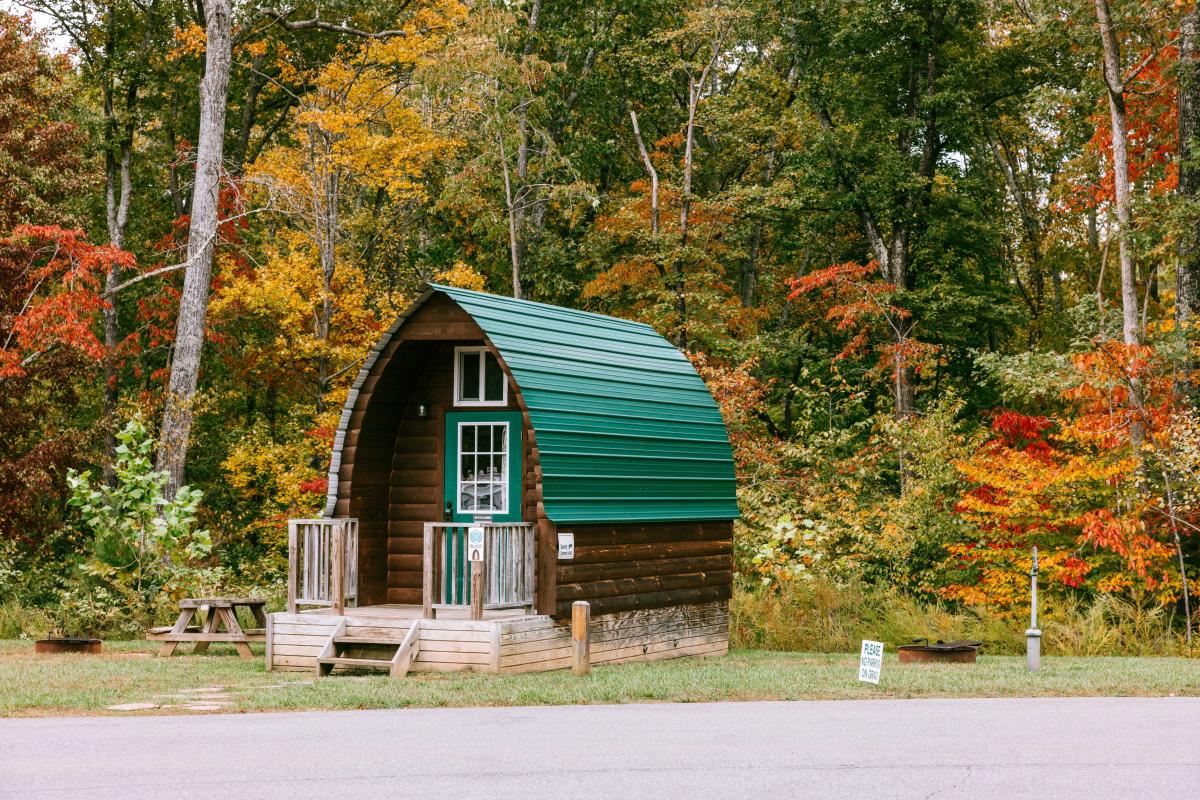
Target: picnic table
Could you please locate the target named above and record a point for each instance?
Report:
(221, 611)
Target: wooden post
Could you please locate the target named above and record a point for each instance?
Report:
(477, 590)
(581, 651)
(428, 565)
(547, 564)
(270, 631)
(337, 567)
(293, 565)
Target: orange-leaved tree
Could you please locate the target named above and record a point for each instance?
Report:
(50, 278)
(1076, 487)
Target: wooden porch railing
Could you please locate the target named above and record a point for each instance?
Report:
(322, 563)
(508, 567)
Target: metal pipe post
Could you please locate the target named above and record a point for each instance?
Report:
(1033, 636)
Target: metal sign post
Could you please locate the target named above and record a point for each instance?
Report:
(1033, 636)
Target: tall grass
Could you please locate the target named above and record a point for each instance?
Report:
(21, 622)
(822, 616)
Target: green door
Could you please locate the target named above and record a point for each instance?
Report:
(483, 465)
(482, 478)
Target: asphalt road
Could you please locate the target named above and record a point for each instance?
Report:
(1129, 748)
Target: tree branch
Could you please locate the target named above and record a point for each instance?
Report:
(280, 17)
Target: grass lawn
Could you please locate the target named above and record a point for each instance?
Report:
(33, 685)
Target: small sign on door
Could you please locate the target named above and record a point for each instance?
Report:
(475, 543)
(870, 661)
(566, 546)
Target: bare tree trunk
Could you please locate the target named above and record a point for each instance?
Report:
(326, 187)
(1187, 272)
(517, 221)
(1031, 224)
(748, 279)
(514, 250)
(695, 90)
(118, 190)
(1131, 324)
(1120, 157)
(651, 172)
(1187, 599)
(249, 114)
(202, 233)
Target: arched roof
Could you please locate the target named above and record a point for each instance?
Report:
(626, 430)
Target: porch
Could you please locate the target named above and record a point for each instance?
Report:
(496, 573)
(471, 603)
(371, 637)
(504, 641)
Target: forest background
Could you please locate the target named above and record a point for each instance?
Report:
(938, 261)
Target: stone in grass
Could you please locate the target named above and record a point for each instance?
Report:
(133, 707)
(205, 706)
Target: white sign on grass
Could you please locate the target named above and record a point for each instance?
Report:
(870, 662)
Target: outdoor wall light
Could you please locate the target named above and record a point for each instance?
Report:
(423, 408)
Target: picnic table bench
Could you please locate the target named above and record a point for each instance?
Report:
(220, 611)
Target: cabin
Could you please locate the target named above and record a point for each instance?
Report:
(498, 460)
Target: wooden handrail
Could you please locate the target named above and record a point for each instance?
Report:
(322, 563)
(507, 574)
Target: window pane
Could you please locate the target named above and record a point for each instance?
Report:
(483, 460)
(493, 379)
(468, 376)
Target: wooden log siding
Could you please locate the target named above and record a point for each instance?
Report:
(391, 476)
(636, 566)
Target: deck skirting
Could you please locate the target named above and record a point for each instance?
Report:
(508, 645)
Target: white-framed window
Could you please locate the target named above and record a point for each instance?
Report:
(483, 466)
(478, 378)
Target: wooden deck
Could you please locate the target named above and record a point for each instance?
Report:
(504, 641)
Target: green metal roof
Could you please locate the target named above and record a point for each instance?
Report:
(626, 430)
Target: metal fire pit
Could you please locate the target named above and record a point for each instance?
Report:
(939, 652)
(67, 645)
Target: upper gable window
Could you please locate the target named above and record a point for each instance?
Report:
(478, 378)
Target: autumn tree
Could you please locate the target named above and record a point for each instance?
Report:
(361, 142)
(49, 280)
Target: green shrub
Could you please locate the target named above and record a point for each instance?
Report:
(144, 545)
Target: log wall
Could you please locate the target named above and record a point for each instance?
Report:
(391, 476)
(631, 566)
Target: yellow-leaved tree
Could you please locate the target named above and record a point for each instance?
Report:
(305, 306)
(363, 142)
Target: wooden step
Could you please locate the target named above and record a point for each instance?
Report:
(380, 640)
(330, 662)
